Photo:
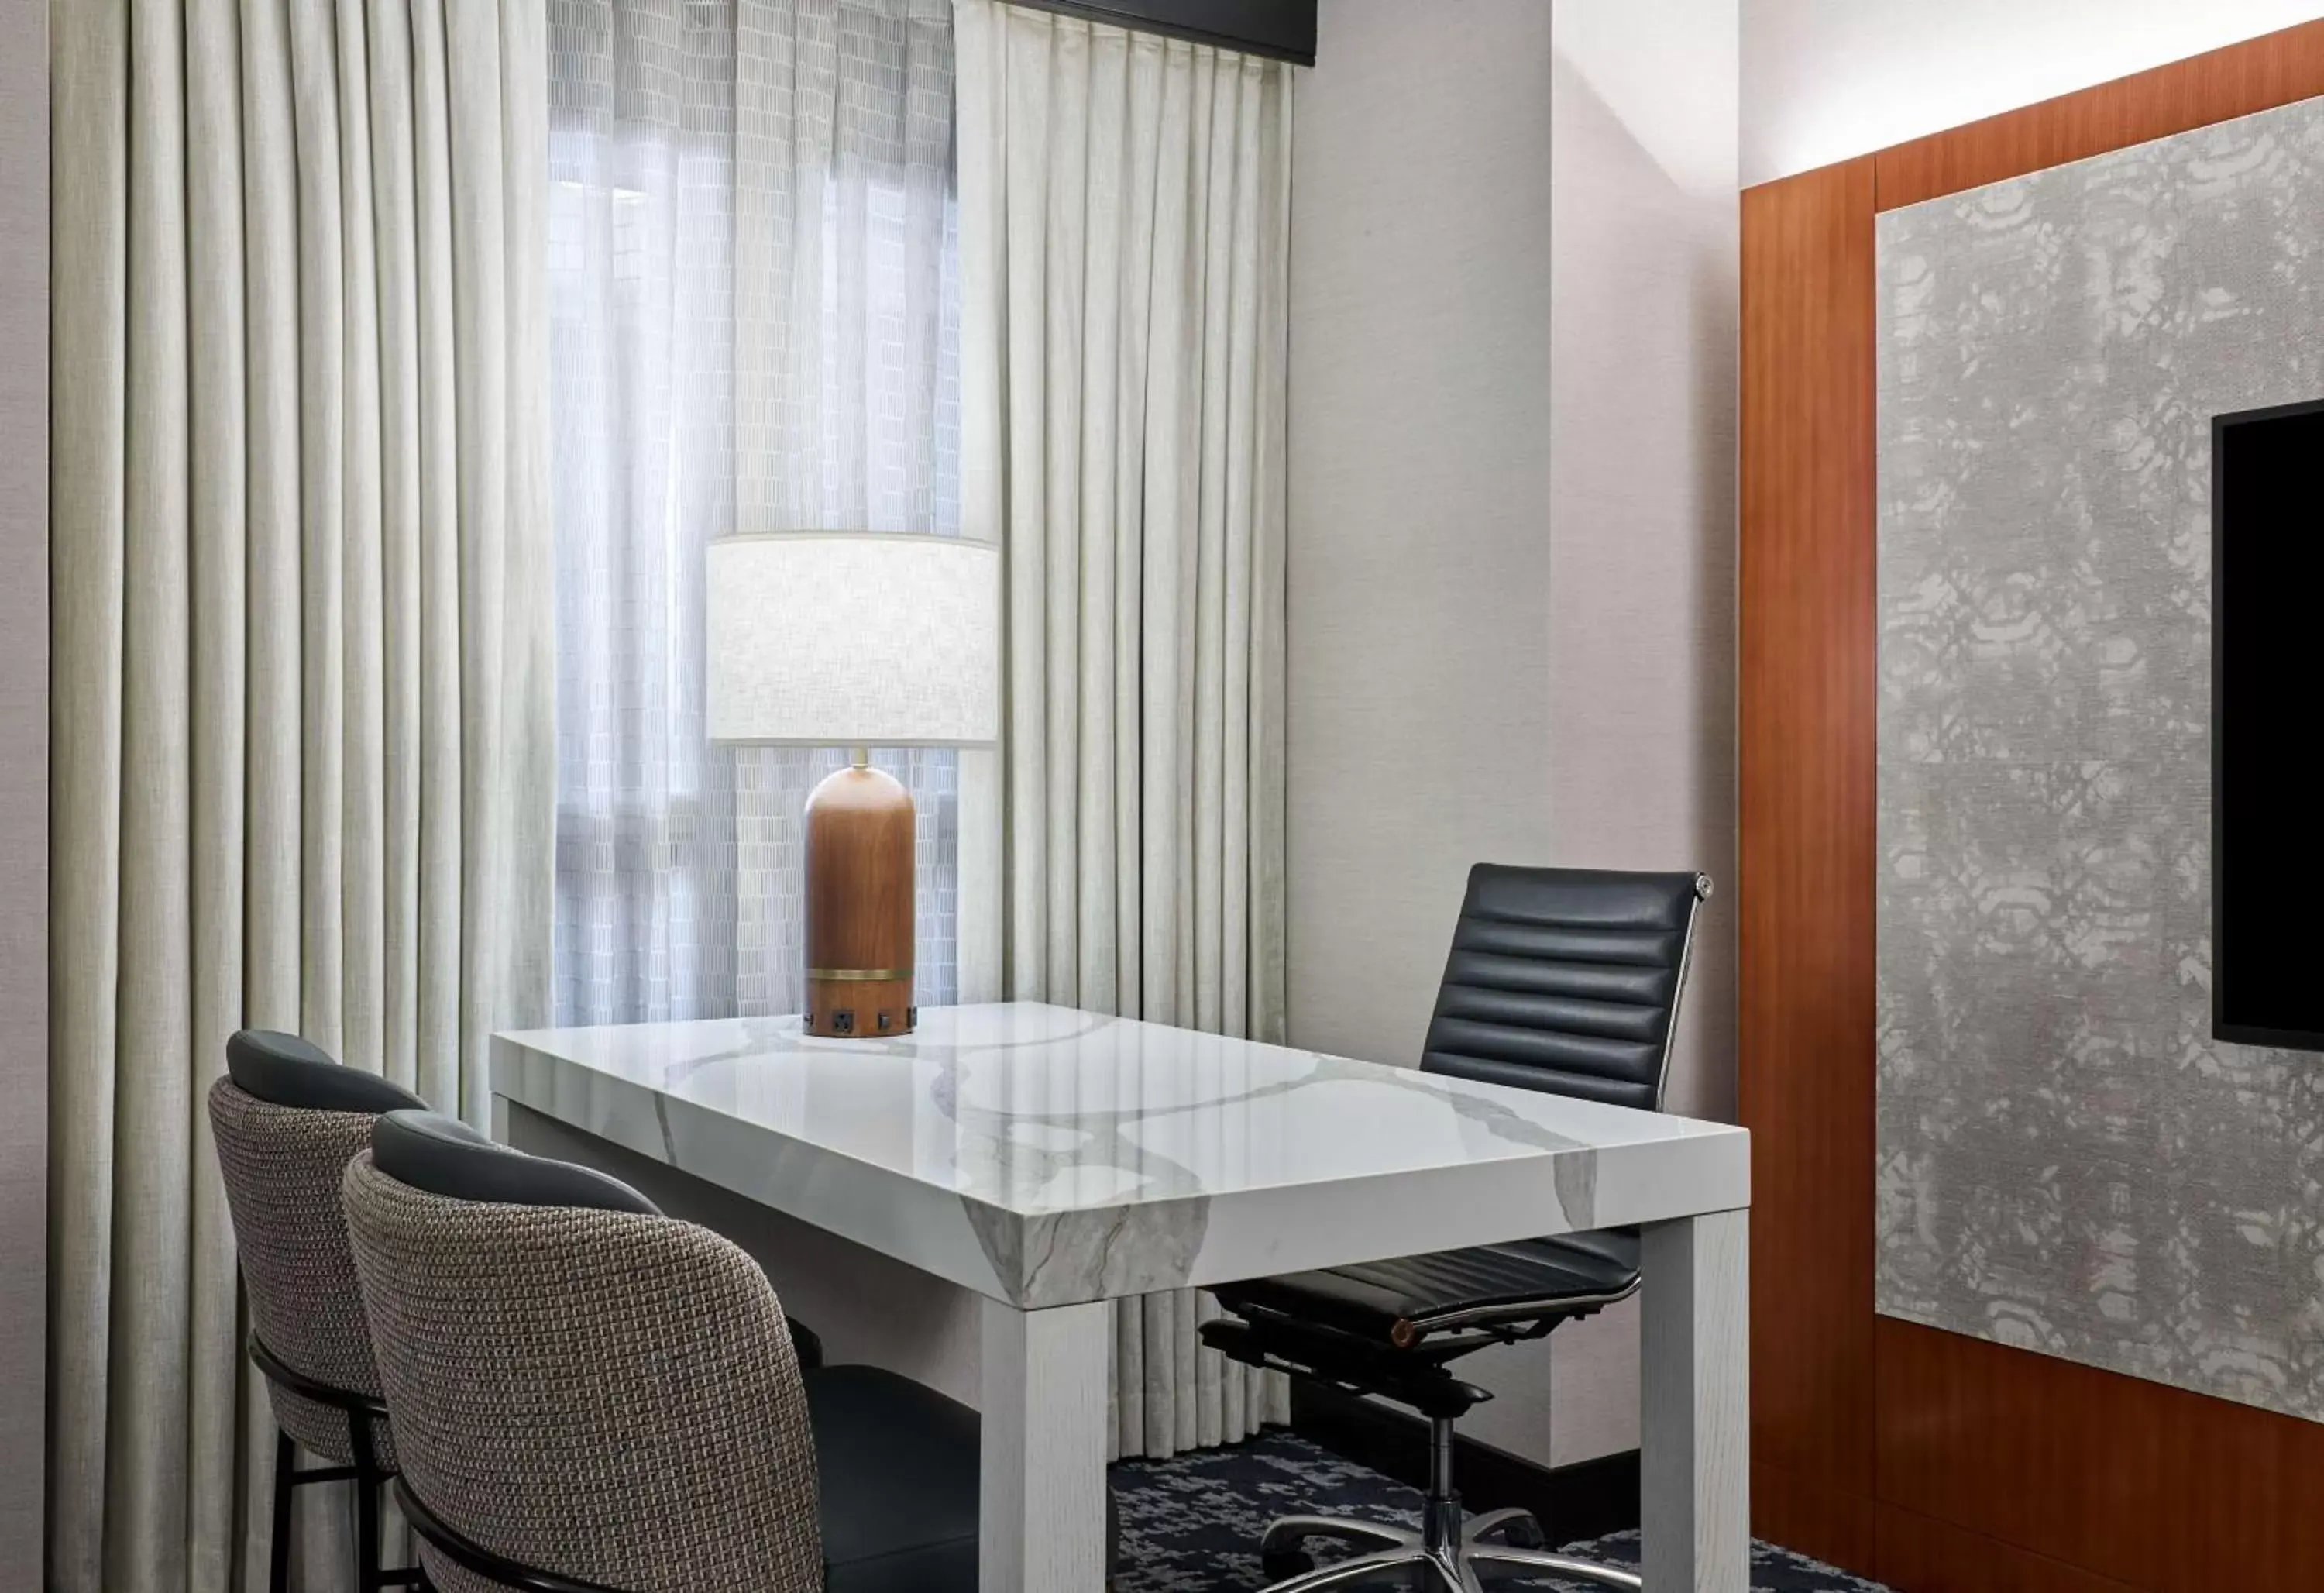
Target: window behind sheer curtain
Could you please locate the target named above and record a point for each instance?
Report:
(753, 277)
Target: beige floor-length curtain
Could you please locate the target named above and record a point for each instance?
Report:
(1125, 214)
(302, 691)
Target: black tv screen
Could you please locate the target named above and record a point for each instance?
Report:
(2267, 720)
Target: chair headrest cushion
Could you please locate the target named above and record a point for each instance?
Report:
(444, 1157)
(284, 1071)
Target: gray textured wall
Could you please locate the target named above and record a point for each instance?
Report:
(1418, 587)
(23, 776)
(1418, 651)
(1510, 626)
(2068, 1163)
(1642, 421)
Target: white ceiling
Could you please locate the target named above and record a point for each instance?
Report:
(1826, 79)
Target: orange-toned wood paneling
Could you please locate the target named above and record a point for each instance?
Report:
(1806, 862)
(2258, 74)
(1930, 1557)
(2154, 1486)
(1839, 1526)
(1938, 1463)
(2066, 1456)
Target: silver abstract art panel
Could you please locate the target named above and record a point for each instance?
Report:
(2068, 1161)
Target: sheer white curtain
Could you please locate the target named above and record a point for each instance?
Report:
(1125, 226)
(753, 308)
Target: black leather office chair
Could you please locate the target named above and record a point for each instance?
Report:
(1563, 980)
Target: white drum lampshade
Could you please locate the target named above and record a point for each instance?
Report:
(858, 640)
(853, 639)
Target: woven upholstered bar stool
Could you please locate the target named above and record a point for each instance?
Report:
(288, 1119)
(591, 1398)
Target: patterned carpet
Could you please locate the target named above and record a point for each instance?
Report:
(1191, 1525)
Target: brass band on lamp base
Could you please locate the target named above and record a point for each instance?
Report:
(859, 905)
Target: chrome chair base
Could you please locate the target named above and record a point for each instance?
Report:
(1446, 1555)
(1454, 1569)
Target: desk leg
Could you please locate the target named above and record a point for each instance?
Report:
(1041, 1517)
(1696, 1390)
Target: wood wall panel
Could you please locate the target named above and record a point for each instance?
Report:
(2154, 1486)
(2067, 1456)
(2144, 1485)
(1838, 1527)
(1935, 1462)
(2257, 75)
(1929, 1556)
(2238, 1497)
(1806, 799)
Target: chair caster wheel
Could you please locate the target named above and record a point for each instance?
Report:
(1525, 1534)
(1281, 1564)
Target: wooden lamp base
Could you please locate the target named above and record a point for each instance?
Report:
(859, 905)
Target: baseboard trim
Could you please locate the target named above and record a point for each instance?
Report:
(1587, 1499)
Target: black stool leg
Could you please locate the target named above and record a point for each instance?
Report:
(278, 1567)
(368, 1480)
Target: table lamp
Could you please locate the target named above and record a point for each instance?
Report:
(855, 639)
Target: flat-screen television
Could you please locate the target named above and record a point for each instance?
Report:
(2268, 727)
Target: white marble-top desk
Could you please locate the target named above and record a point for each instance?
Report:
(1051, 1161)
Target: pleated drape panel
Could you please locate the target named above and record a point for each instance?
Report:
(754, 319)
(1125, 217)
(303, 673)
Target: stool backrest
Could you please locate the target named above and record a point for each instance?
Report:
(579, 1386)
(1566, 980)
(287, 1120)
